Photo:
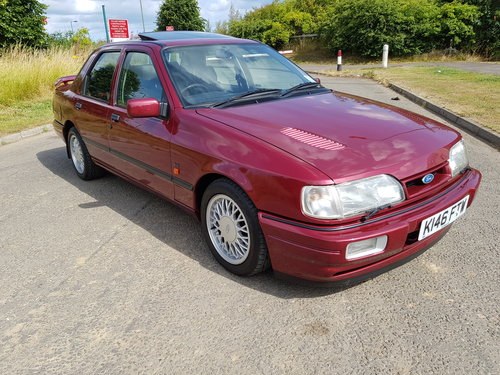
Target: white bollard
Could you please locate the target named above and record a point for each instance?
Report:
(385, 55)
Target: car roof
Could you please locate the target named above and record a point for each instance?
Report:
(179, 38)
(181, 35)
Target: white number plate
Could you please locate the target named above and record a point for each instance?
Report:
(441, 219)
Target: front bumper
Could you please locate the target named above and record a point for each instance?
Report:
(317, 253)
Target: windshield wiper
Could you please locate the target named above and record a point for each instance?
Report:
(254, 94)
(300, 86)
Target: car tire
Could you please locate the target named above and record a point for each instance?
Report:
(231, 228)
(82, 162)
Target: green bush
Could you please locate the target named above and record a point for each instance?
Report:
(457, 24)
(275, 23)
(410, 27)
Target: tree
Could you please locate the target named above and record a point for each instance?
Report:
(181, 14)
(457, 24)
(410, 27)
(60, 39)
(277, 22)
(81, 38)
(22, 22)
(486, 28)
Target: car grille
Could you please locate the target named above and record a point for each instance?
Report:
(416, 188)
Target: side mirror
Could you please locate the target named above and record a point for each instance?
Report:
(317, 80)
(147, 107)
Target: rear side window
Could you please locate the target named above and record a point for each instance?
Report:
(98, 80)
(138, 79)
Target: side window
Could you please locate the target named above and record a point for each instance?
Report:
(98, 81)
(138, 79)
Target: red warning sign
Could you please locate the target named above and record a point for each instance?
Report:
(118, 29)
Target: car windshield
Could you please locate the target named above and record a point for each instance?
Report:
(209, 75)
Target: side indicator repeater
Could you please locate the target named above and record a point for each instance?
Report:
(177, 169)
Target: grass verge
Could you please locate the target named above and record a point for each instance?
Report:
(27, 80)
(470, 95)
(25, 115)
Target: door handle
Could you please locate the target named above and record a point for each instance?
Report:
(78, 106)
(115, 117)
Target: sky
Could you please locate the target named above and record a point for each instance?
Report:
(63, 15)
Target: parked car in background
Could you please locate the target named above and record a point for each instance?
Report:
(282, 172)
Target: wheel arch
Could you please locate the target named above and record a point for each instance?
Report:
(205, 181)
(67, 126)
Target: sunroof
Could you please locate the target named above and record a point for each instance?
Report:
(180, 35)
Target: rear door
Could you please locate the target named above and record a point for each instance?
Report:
(140, 147)
(92, 104)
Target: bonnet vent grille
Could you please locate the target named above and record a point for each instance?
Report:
(312, 139)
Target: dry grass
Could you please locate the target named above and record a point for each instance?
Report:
(26, 84)
(471, 95)
(440, 56)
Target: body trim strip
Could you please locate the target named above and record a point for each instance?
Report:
(140, 164)
(58, 123)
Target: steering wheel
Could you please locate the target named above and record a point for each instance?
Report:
(198, 86)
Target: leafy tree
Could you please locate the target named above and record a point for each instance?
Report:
(487, 26)
(457, 24)
(22, 22)
(234, 14)
(364, 26)
(181, 14)
(81, 38)
(208, 26)
(275, 23)
(59, 39)
(221, 27)
(409, 26)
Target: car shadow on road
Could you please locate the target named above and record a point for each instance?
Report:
(166, 222)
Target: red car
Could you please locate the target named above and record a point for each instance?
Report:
(282, 172)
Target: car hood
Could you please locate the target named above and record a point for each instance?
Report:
(344, 136)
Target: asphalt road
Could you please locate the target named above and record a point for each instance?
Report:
(103, 278)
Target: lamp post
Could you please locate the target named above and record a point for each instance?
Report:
(142, 16)
(105, 23)
(71, 23)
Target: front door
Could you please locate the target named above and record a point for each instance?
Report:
(140, 147)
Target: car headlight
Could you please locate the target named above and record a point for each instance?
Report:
(458, 158)
(351, 198)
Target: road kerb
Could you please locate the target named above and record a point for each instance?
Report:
(16, 137)
(467, 125)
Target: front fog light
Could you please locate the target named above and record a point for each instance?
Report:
(367, 247)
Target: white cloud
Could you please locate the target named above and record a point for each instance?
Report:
(88, 13)
(86, 6)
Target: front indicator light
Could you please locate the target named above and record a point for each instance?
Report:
(458, 158)
(367, 247)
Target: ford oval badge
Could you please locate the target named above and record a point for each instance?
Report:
(427, 179)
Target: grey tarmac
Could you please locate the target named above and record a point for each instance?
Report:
(103, 278)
